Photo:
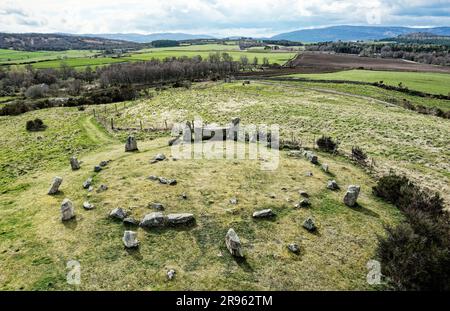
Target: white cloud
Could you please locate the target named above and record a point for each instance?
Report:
(219, 17)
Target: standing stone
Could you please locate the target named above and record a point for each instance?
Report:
(325, 167)
(351, 195)
(265, 213)
(309, 224)
(233, 243)
(118, 213)
(87, 183)
(54, 188)
(155, 219)
(187, 132)
(332, 185)
(171, 274)
(74, 163)
(97, 168)
(129, 239)
(303, 203)
(67, 210)
(180, 219)
(294, 248)
(311, 157)
(131, 144)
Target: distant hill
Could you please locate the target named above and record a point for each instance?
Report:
(355, 33)
(60, 42)
(139, 38)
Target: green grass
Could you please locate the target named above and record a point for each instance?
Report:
(434, 83)
(35, 246)
(376, 93)
(396, 138)
(12, 57)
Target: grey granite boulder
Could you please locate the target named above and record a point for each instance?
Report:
(332, 185)
(88, 206)
(67, 210)
(180, 219)
(131, 144)
(294, 248)
(265, 213)
(156, 219)
(54, 188)
(74, 164)
(233, 243)
(87, 183)
(157, 206)
(130, 239)
(351, 195)
(309, 224)
(118, 213)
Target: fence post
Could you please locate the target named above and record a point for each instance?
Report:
(165, 123)
(140, 121)
(94, 113)
(115, 105)
(112, 123)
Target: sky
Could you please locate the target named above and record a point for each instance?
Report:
(220, 18)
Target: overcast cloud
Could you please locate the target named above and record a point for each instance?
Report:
(213, 17)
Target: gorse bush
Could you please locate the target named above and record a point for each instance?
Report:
(407, 196)
(415, 255)
(35, 125)
(327, 144)
(359, 155)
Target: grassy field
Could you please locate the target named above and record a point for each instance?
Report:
(161, 53)
(396, 138)
(375, 93)
(35, 246)
(9, 57)
(434, 83)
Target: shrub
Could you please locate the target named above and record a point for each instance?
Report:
(36, 91)
(35, 125)
(327, 144)
(416, 260)
(407, 196)
(359, 155)
(415, 255)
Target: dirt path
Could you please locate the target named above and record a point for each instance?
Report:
(95, 133)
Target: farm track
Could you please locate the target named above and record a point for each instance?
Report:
(94, 132)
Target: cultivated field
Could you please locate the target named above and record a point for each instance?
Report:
(279, 57)
(428, 82)
(314, 62)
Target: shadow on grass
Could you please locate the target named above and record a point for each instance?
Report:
(243, 263)
(361, 209)
(135, 252)
(71, 224)
(166, 228)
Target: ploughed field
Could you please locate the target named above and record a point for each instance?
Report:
(315, 62)
(35, 245)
